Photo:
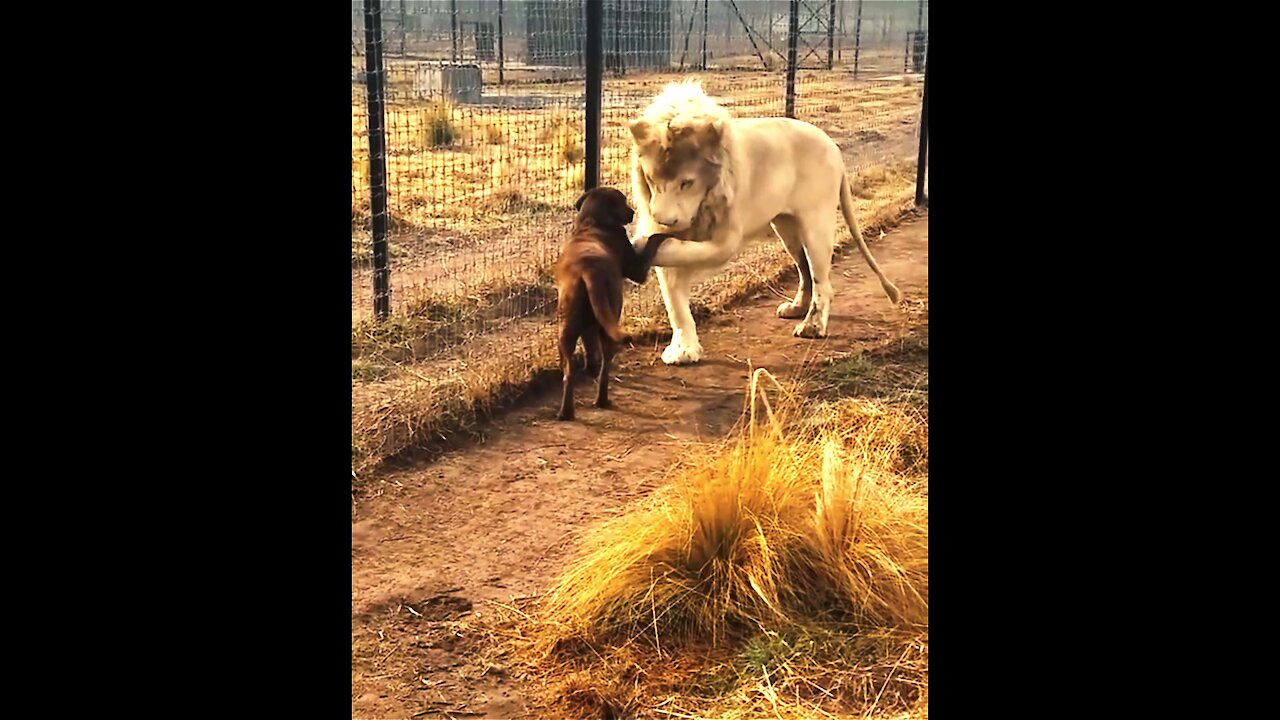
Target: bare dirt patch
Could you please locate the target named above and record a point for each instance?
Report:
(440, 549)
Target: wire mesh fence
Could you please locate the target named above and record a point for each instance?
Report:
(483, 105)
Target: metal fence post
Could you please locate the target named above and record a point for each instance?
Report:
(704, 34)
(375, 91)
(453, 27)
(831, 35)
(501, 53)
(857, 38)
(922, 37)
(923, 159)
(793, 31)
(840, 43)
(619, 67)
(595, 90)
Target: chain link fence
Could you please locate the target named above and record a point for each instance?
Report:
(482, 110)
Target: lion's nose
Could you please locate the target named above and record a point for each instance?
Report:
(665, 221)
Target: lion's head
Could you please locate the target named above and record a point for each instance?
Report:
(680, 158)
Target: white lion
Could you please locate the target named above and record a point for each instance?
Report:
(712, 180)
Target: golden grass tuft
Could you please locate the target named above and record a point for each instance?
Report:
(494, 134)
(565, 138)
(437, 126)
(787, 571)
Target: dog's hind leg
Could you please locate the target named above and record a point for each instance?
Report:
(788, 231)
(609, 349)
(591, 347)
(569, 333)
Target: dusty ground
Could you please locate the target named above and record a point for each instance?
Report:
(491, 521)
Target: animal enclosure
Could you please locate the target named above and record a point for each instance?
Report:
(482, 107)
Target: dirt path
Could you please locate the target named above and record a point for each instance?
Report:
(495, 519)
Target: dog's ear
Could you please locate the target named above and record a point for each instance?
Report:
(581, 199)
(622, 211)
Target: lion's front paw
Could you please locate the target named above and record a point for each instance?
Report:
(791, 310)
(682, 354)
(810, 330)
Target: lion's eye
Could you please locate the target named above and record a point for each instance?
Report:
(686, 184)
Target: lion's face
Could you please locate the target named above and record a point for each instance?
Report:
(677, 165)
(675, 194)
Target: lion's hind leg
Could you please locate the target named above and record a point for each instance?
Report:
(817, 233)
(788, 231)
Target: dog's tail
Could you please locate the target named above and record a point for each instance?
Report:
(846, 207)
(598, 295)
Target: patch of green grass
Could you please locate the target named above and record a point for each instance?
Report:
(895, 372)
(766, 652)
(845, 375)
(769, 653)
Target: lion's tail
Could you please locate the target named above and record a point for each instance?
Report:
(598, 295)
(846, 207)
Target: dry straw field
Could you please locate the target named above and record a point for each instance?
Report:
(480, 200)
(785, 575)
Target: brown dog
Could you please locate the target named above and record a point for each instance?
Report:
(589, 279)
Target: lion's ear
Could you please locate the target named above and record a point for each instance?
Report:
(712, 131)
(640, 130)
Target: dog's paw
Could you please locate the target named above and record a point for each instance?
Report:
(682, 354)
(564, 415)
(791, 311)
(810, 330)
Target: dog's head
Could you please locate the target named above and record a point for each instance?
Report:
(607, 206)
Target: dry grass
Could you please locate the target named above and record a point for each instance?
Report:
(565, 138)
(477, 219)
(872, 180)
(443, 155)
(505, 345)
(786, 575)
(494, 134)
(414, 407)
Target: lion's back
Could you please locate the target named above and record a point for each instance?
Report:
(801, 137)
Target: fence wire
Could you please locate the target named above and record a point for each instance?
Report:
(484, 117)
